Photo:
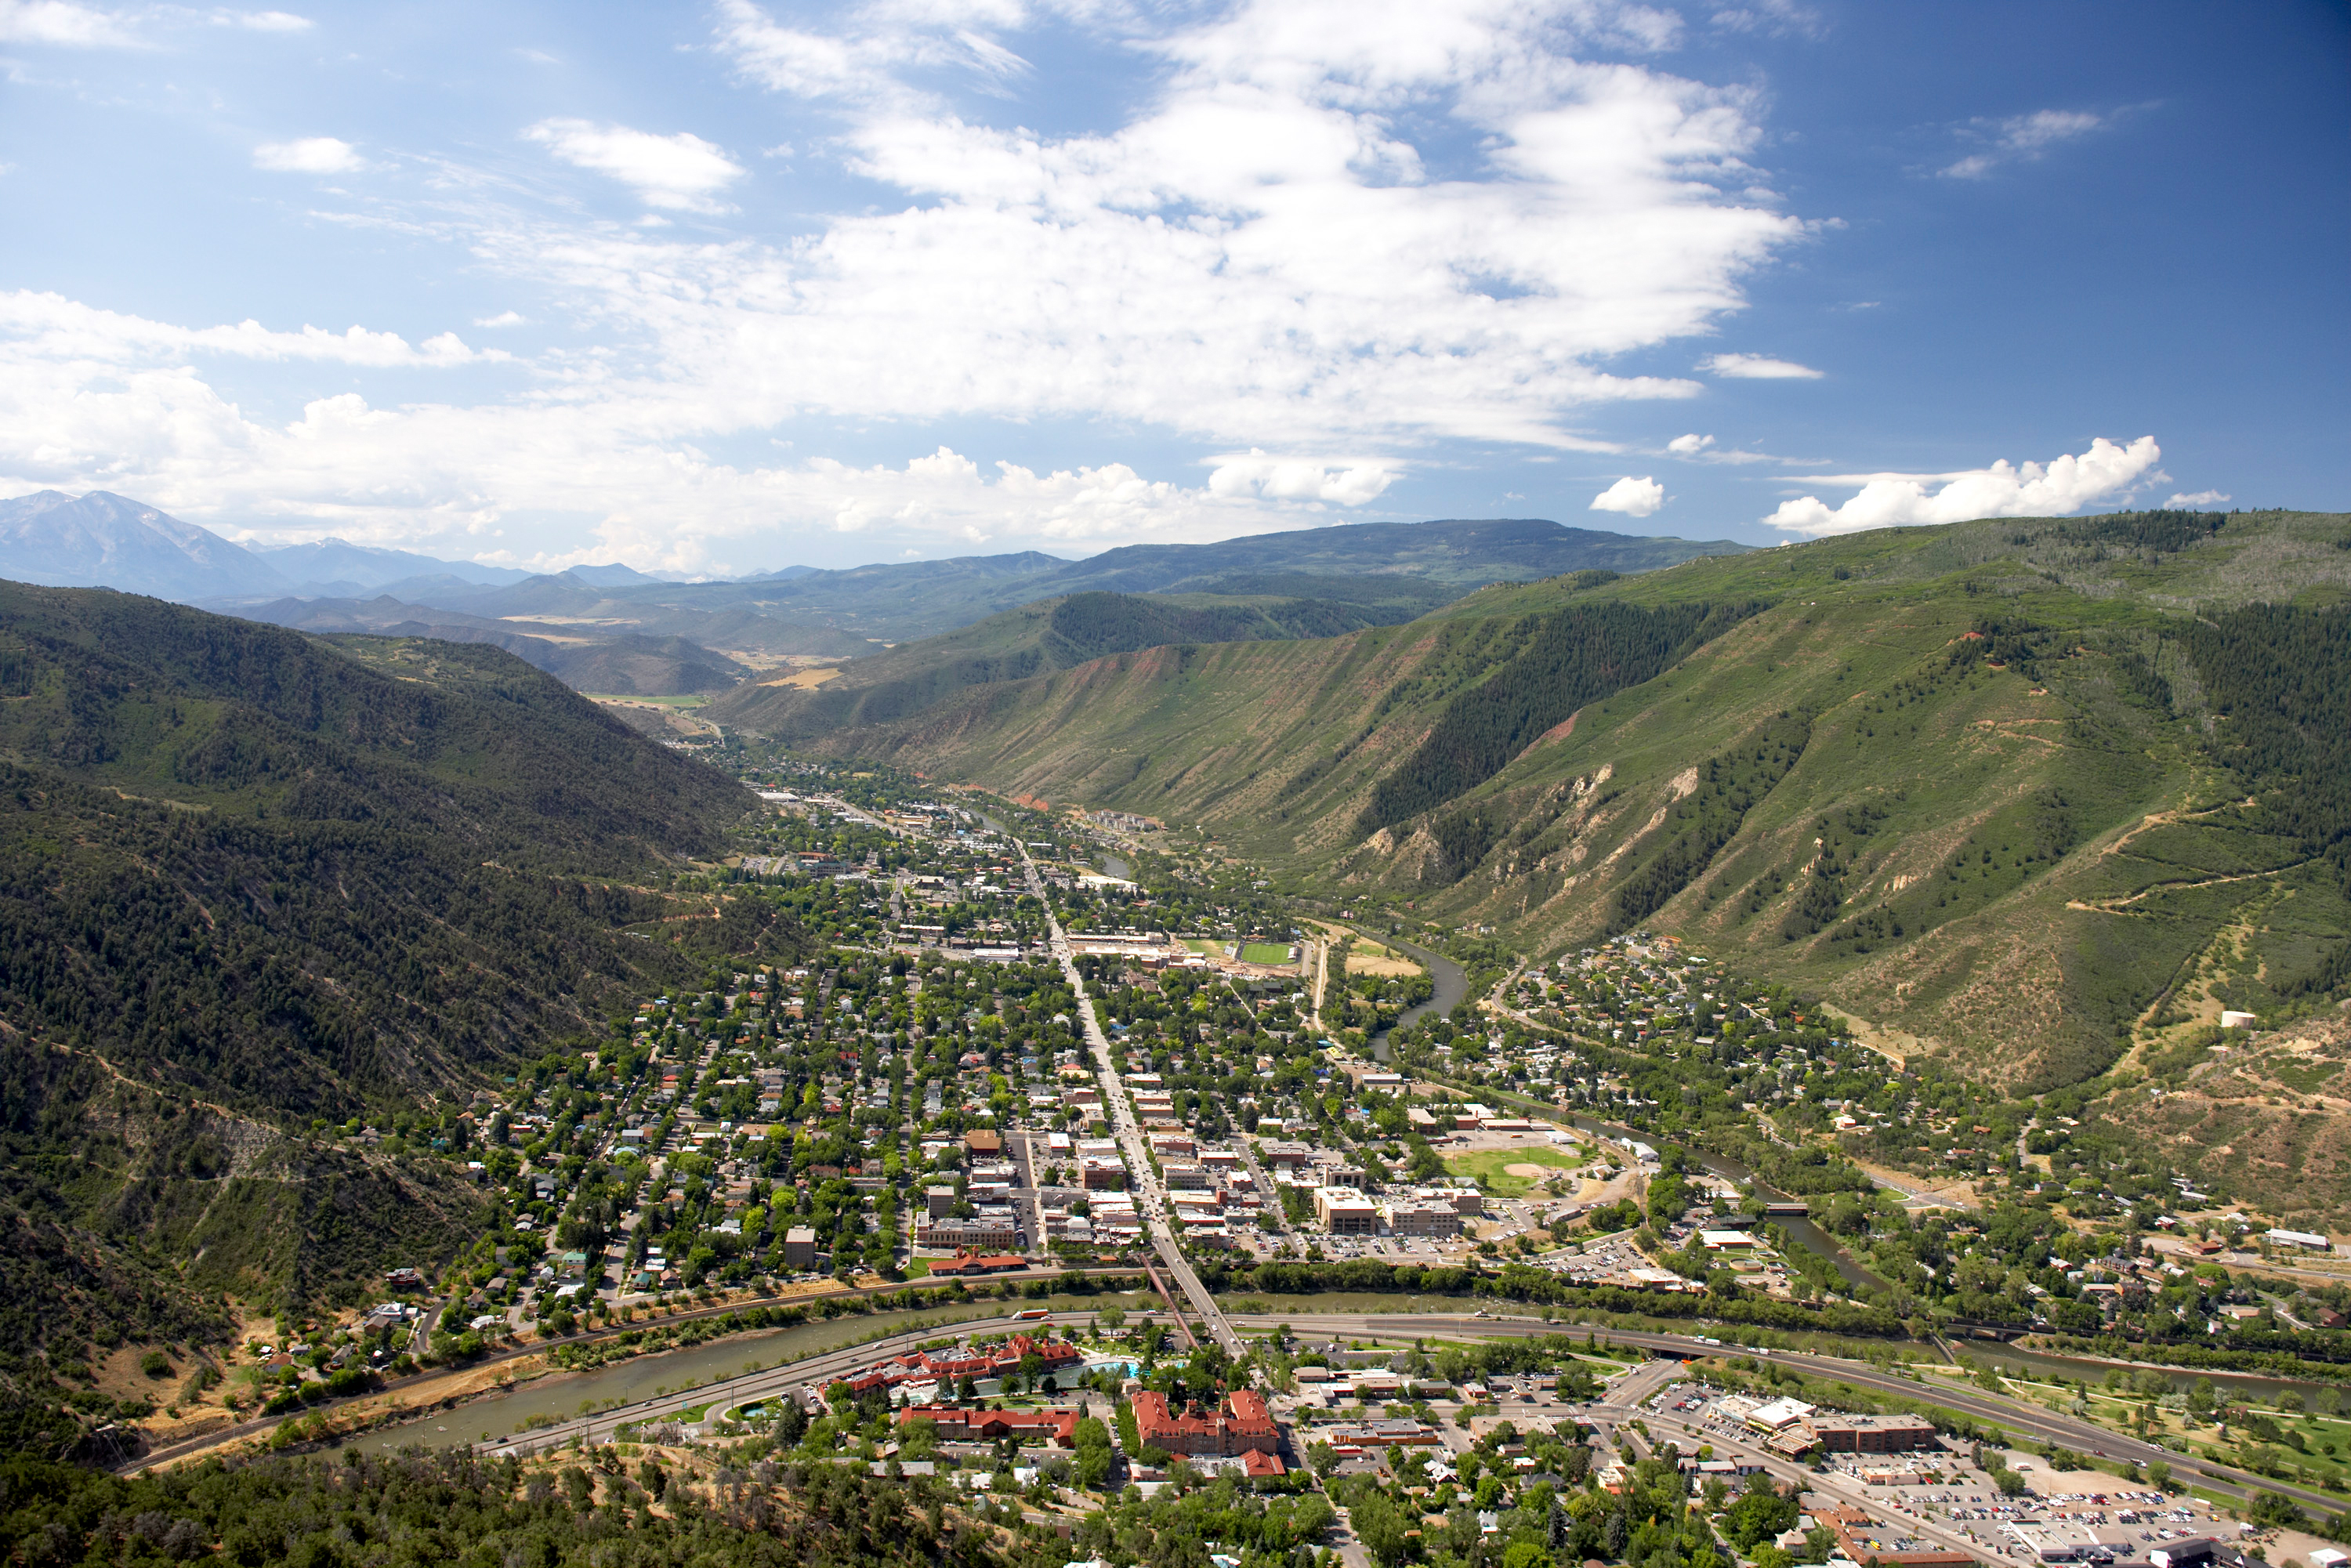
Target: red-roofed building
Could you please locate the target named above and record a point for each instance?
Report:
(995, 1263)
(1243, 1425)
(957, 1425)
(994, 1360)
(1259, 1465)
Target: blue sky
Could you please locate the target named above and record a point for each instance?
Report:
(726, 286)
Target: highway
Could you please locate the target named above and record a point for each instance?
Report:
(2012, 1413)
(1403, 1328)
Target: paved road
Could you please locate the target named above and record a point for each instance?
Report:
(817, 1370)
(1151, 1197)
(2013, 1415)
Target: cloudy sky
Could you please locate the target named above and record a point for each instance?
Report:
(728, 286)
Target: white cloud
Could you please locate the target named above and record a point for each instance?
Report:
(2200, 498)
(48, 330)
(1347, 484)
(1688, 445)
(1634, 498)
(263, 21)
(1769, 16)
(1254, 257)
(309, 155)
(2031, 491)
(503, 319)
(679, 172)
(62, 22)
(1757, 368)
(2020, 137)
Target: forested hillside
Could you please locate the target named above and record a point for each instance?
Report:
(248, 880)
(2030, 793)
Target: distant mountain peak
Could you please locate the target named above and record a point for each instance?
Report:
(100, 540)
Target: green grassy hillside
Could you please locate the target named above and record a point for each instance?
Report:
(1994, 790)
(248, 879)
(1037, 639)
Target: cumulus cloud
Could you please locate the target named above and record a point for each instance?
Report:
(678, 171)
(2028, 490)
(309, 155)
(1688, 445)
(503, 319)
(2020, 137)
(1757, 368)
(1252, 255)
(1346, 484)
(2200, 498)
(62, 22)
(1634, 498)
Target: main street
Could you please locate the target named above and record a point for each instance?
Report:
(1151, 1194)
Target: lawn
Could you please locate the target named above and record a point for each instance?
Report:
(1491, 1167)
(1205, 946)
(1266, 953)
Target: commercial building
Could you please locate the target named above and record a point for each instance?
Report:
(1243, 1425)
(981, 1232)
(1345, 1213)
(800, 1248)
(1424, 1219)
(1059, 1428)
(1874, 1434)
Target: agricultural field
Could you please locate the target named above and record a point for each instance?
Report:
(1367, 957)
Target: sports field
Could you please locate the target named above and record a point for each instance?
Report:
(1513, 1173)
(1266, 953)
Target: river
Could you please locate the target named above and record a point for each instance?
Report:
(1452, 983)
(564, 1395)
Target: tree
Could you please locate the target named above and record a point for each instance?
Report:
(1322, 1457)
(2275, 1511)
(1380, 1525)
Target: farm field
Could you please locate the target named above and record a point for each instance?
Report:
(1367, 957)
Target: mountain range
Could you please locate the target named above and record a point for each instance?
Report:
(614, 630)
(2031, 797)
